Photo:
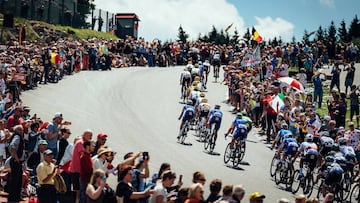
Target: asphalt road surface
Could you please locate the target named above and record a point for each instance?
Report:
(138, 108)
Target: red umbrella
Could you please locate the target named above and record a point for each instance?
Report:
(292, 83)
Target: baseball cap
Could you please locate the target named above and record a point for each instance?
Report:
(102, 135)
(57, 115)
(43, 142)
(327, 118)
(48, 152)
(256, 195)
(350, 123)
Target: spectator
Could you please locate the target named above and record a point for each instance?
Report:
(335, 80)
(238, 194)
(199, 177)
(17, 146)
(124, 189)
(349, 79)
(227, 193)
(196, 193)
(157, 176)
(75, 166)
(46, 172)
(3, 142)
(283, 200)
(129, 159)
(318, 88)
(354, 104)
(215, 188)
(256, 197)
(101, 139)
(300, 198)
(14, 119)
(86, 168)
(99, 160)
(37, 157)
(53, 133)
(34, 137)
(63, 143)
(95, 189)
(140, 173)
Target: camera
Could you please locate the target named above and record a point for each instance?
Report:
(145, 155)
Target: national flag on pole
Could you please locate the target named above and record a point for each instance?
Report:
(228, 27)
(256, 35)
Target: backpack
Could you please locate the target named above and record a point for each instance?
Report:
(59, 184)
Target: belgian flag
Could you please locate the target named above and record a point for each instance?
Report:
(256, 36)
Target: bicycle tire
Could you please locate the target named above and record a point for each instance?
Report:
(242, 151)
(227, 154)
(278, 174)
(309, 185)
(296, 184)
(290, 176)
(235, 157)
(346, 186)
(273, 165)
(212, 142)
(207, 142)
(355, 193)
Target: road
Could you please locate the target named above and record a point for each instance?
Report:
(138, 109)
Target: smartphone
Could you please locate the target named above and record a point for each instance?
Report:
(180, 178)
(104, 178)
(145, 155)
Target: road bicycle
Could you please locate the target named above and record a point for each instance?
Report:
(355, 192)
(306, 183)
(335, 189)
(209, 142)
(284, 172)
(237, 154)
(185, 129)
(202, 129)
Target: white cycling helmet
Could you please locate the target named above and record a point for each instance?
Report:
(309, 137)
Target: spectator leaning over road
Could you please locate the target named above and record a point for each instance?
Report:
(196, 192)
(129, 159)
(140, 173)
(54, 131)
(16, 146)
(75, 166)
(86, 168)
(157, 176)
(256, 197)
(95, 189)
(215, 188)
(101, 139)
(238, 194)
(46, 172)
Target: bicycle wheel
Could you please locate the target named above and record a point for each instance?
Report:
(339, 193)
(319, 189)
(295, 186)
(309, 185)
(235, 157)
(207, 142)
(212, 142)
(273, 165)
(289, 176)
(203, 134)
(242, 151)
(227, 154)
(355, 193)
(278, 174)
(346, 186)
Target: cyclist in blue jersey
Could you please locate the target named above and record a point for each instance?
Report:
(282, 132)
(289, 146)
(214, 118)
(187, 114)
(239, 130)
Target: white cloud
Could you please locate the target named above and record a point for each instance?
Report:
(269, 28)
(329, 3)
(161, 18)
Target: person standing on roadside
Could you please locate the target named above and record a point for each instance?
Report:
(349, 79)
(16, 147)
(46, 172)
(86, 168)
(354, 104)
(63, 143)
(52, 136)
(101, 140)
(335, 81)
(75, 166)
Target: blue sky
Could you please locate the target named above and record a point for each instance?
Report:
(161, 18)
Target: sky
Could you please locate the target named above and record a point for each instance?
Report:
(160, 19)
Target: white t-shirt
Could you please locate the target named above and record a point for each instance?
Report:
(2, 145)
(160, 190)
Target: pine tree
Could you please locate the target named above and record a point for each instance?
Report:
(354, 31)
(320, 34)
(275, 42)
(247, 35)
(213, 34)
(293, 40)
(342, 32)
(280, 41)
(182, 35)
(235, 38)
(306, 37)
(332, 32)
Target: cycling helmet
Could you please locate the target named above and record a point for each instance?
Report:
(309, 137)
(196, 65)
(185, 69)
(335, 147)
(329, 159)
(342, 141)
(288, 135)
(195, 83)
(217, 106)
(189, 102)
(200, 63)
(197, 78)
(202, 94)
(204, 100)
(243, 113)
(284, 126)
(340, 160)
(239, 115)
(196, 88)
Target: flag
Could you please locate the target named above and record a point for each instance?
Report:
(252, 59)
(228, 27)
(256, 36)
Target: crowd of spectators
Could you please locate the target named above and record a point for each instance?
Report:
(31, 147)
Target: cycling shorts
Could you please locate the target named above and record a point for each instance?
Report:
(311, 158)
(215, 120)
(216, 62)
(188, 115)
(185, 81)
(204, 114)
(323, 152)
(291, 148)
(240, 133)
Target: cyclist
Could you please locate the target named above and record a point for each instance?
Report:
(239, 130)
(280, 135)
(195, 71)
(214, 118)
(247, 119)
(203, 108)
(198, 101)
(187, 114)
(332, 175)
(206, 71)
(290, 147)
(326, 143)
(348, 152)
(185, 80)
(190, 66)
(309, 152)
(194, 94)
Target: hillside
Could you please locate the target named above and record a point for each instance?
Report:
(44, 32)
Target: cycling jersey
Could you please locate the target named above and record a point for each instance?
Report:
(189, 113)
(194, 95)
(215, 117)
(307, 147)
(195, 71)
(334, 174)
(290, 146)
(189, 67)
(354, 138)
(348, 152)
(240, 128)
(281, 134)
(204, 109)
(326, 141)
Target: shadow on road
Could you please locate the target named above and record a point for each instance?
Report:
(235, 167)
(212, 153)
